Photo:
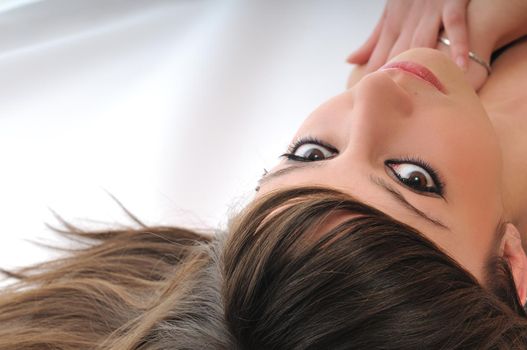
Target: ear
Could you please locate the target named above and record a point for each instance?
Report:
(512, 250)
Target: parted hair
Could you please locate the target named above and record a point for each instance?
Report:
(303, 268)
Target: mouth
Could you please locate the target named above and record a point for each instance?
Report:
(417, 70)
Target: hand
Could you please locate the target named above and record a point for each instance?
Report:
(475, 73)
(406, 24)
(491, 25)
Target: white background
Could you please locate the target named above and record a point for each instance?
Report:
(173, 106)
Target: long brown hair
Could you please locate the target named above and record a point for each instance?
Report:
(280, 279)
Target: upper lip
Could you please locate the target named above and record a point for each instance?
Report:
(419, 71)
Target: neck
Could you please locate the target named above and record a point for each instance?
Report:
(503, 96)
(512, 134)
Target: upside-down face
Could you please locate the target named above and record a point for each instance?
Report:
(413, 140)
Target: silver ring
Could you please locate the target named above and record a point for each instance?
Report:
(471, 55)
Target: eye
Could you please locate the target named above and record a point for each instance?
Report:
(310, 150)
(417, 175)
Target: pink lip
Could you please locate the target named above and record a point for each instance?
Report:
(417, 70)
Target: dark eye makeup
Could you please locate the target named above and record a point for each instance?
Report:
(417, 175)
(412, 172)
(320, 150)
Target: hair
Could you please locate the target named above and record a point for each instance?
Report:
(304, 268)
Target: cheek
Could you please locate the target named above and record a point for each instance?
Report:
(461, 142)
(476, 241)
(474, 167)
(472, 158)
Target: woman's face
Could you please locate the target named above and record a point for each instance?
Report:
(427, 157)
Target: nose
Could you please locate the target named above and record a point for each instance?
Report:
(381, 109)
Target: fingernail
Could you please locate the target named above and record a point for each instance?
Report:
(461, 62)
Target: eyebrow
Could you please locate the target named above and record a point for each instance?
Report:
(281, 172)
(398, 196)
(395, 194)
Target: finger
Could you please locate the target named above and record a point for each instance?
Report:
(427, 31)
(382, 49)
(363, 53)
(393, 24)
(401, 44)
(409, 25)
(476, 75)
(455, 23)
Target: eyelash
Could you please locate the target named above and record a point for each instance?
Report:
(426, 166)
(290, 154)
(411, 160)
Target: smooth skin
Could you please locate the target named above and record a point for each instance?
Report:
(476, 143)
(406, 24)
(481, 26)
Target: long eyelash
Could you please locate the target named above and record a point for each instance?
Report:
(425, 165)
(293, 147)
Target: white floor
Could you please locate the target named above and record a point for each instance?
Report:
(173, 106)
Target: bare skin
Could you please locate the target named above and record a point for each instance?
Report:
(490, 25)
(503, 97)
(483, 26)
(474, 142)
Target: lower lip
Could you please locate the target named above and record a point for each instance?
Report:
(417, 70)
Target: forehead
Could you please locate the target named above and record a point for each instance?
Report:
(467, 244)
(453, 132)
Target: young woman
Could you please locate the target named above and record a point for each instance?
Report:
(416, 245)
(429, 151)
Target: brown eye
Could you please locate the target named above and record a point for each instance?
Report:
(414, 176)
(313, 152)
